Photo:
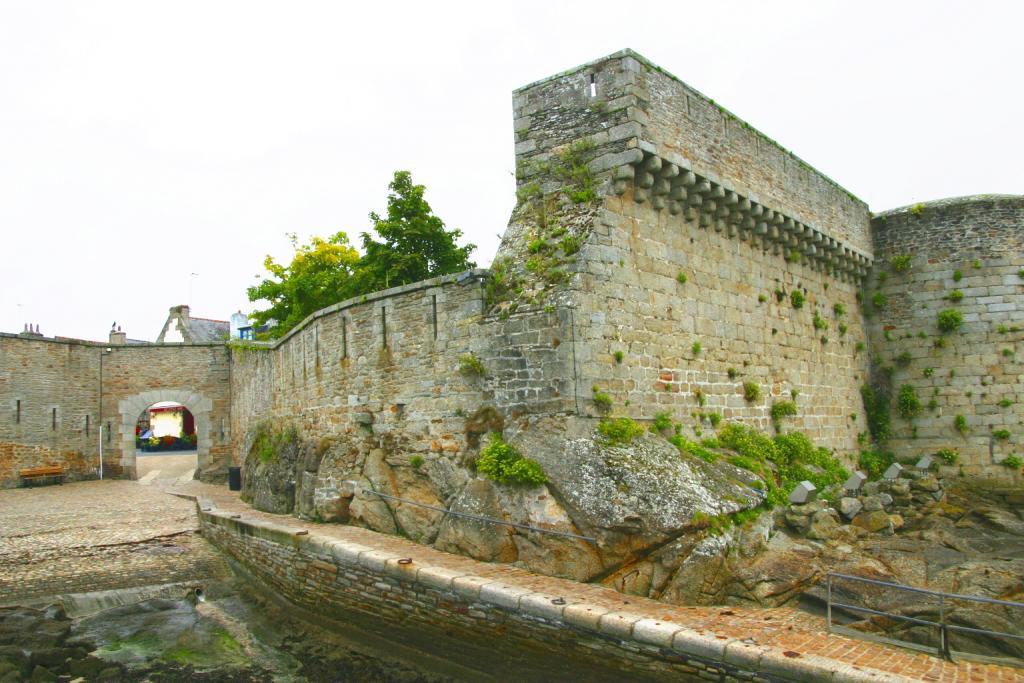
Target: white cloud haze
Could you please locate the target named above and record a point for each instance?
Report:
(141, 142)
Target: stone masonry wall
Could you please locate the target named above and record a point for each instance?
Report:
(390, 363)
(57, 393)
(690, 191)
(50, 402)
(634, 304)
(975, 372)
(196, 375)
(433, 607)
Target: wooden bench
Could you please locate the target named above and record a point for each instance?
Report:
(37, 473)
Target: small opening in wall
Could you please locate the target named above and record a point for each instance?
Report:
(593, 85)
(108, 432)
(87, 425)
(344, 337)
(17, 411)
(433, 306)
(53, 419)
(384, 328)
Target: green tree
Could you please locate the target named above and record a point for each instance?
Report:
(320, 274)
(415, 245)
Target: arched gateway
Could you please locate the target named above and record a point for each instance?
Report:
(129, 409)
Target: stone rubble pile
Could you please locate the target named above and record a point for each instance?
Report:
(872, 507)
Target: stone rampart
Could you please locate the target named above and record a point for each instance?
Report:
(58, 393)
(964, 255)
(707, 233)
(398, 363)
(496, 620)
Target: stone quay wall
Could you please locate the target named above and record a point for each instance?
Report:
(57, 393)
(434, 606)
(967, 255)
(394, 362)
(690, 192)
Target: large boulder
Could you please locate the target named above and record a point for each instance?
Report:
(631, 495)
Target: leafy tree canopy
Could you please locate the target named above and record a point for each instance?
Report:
(414, 246)
(319, 275)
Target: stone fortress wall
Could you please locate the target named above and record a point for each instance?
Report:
(58, 393)
(684, 189)
(964, 254)
(694, 193)
(394, 363)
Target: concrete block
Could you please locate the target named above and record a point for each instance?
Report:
(584, 616)
(347, 553)
(502, 595)
(538, 605)
(438, 577)
(653, 632)
(743, 655)
(375, 560)
(469, 586)
(700, 645)
(618, 624)
(804, 492)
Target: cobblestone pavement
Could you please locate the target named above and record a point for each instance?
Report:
(779, 629)
(97, 535)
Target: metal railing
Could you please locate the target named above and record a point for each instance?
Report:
(944, 627)
(479, 518)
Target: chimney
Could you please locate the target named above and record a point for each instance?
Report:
(117, 336)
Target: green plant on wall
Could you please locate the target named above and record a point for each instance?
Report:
(601, 399)
(878, 300)
(956, 296)
(1013, 462)
(780, 410)
(949, 320)
(839, 309)
(619, 431)
(900, 263)
(681, 277)
(960, 425)
(471, 366)
(796, 299)
(907, 403)
(876, 407)
(957, 275)
(819, 322)
(751, 391)
(502, 462)
(1001, 434)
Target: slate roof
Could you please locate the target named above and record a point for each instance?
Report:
(193, 330)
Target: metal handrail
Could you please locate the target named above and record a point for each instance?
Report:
(944, 628)
(480, 518)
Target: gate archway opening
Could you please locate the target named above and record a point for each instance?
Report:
(178, 424)
(165, 441)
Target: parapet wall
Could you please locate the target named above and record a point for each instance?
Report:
(58, 393)
(963, 254)
(394, 363)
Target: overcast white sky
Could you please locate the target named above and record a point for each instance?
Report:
(142, 142)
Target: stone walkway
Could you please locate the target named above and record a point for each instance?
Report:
(776, 632)
(97, 535)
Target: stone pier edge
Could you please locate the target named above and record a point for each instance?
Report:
(726, 655)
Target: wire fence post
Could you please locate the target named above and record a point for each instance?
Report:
(943, 631)
(828, 603)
